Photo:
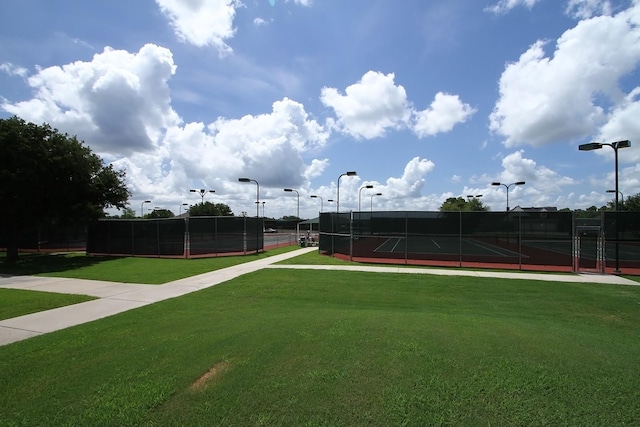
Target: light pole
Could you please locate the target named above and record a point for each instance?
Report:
(615, 145)
(289, 190)
(313, 196)
(184, 204)
(360, 192)
(374, 194)
(621, 195)
(263, 209)
(142, 205)
(257, 206)
(507, 187)
(350, 173)
(202, 192)
(257, 193)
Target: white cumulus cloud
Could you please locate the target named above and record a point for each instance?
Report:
(444, 113)
(202, 22)
(376, 104)
(118, 102)
(542, 184)
(370, 106)
(558, 98)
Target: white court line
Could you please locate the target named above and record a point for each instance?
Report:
(378, 249)
(492, 250)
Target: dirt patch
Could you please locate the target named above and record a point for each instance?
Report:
(209, 376)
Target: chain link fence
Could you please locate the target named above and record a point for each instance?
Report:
(554, 241)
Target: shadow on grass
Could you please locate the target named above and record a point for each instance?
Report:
(41, 263)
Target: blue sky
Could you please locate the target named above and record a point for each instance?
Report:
(425, 100)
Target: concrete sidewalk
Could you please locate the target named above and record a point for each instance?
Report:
(116, 298)
(113, 297)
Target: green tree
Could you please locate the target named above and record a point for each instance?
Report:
(632, 203)
(160, 213)
(590, 212)
(47, 176)
(210, 209)
(128, 213)
(476, 205)
(460, 204)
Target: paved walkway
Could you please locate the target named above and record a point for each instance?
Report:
(116, 298)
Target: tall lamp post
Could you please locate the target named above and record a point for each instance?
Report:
(263, 209)
(371, 206)
(615, 145)
(360, 192)
(507, 187)
(202, 192)
(289, 190)
(142, 207)
(184, 204)
(350, 173)
(257, 206)
(313, 196)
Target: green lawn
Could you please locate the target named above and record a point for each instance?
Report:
(17, 302)
(125, 269)
(296, 347)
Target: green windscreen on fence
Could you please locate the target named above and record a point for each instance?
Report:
(211, 235)
(622, 237)
(534, 238)
(176, 237)
(148, 237)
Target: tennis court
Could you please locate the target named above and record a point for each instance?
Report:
(551, 241)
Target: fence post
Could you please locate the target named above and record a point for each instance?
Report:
(406, 237)
(520, 242)
(460, 238)
(186, 249)
(350, 235)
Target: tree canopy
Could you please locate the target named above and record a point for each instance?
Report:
(631, 203)
(210, 209)
(159, 213)
(46, 175)
(460, 204)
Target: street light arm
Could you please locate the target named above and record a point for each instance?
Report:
(507, 186)
(298, 194)
(350, 173)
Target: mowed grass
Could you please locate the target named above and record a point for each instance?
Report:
(330, 348)
(17, 302)
(150, 271)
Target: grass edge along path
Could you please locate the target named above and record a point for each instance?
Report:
(152, 271)
(285, 347)
(18, 302)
